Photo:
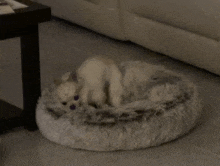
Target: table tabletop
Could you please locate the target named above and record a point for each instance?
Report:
(13, 24)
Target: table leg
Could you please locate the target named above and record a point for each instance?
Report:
(30, 60)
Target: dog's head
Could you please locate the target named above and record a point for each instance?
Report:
(67, 90)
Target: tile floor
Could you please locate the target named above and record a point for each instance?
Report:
(63, 47)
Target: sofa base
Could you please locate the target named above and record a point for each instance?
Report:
(100, 16)
(177, 43)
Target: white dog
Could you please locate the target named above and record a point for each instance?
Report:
(67, 91)
(93, 76)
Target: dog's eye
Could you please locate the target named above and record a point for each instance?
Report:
(64, 103)
(154, 78)
(76, 97)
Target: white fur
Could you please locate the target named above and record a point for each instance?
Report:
(66, 76)
(66, 91)
(93, 74)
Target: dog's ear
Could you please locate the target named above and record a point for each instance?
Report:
(57, 82)
(66, 76)
(70, 79)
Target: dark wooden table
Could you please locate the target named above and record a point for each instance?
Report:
(24, 24)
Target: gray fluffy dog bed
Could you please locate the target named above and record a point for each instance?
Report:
(158, 106)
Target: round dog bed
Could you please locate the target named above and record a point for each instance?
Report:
(158, 106)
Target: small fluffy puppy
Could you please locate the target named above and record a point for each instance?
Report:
(67, 91)
(93, 76)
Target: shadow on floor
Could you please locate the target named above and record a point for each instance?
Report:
(10, 117)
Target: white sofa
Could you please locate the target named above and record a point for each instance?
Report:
(187, 30)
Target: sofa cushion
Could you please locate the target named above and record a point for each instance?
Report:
(201, 17)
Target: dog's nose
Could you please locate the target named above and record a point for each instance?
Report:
(73, 107)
